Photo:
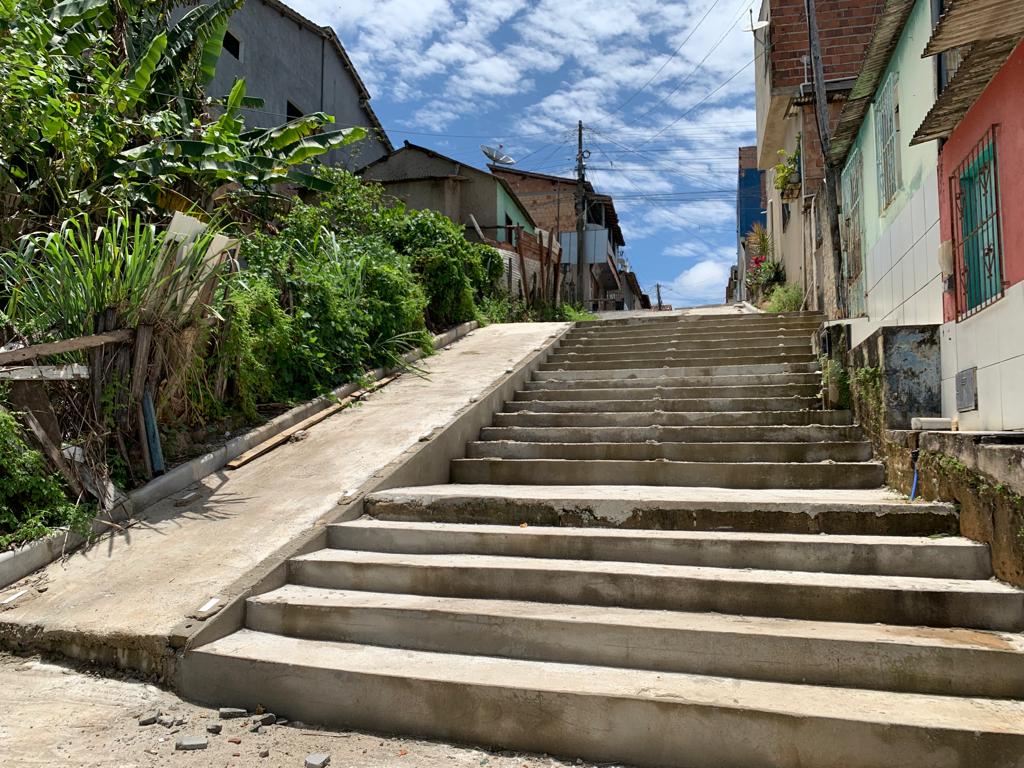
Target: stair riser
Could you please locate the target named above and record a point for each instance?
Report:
(659, 347)
(772, 332)
(680, 371)
(678, 359)
(677, 353)
(679, 419)
(653, 363)
(626, 728)
(685, 435)
(703, 324)
(777, 658)
(735, 551)
(805, 600)
(554, 472)
(707, 382)
(725, 452)
(754, 516)
(666, 405)
(636, 393)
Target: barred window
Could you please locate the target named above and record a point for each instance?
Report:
(887, 140)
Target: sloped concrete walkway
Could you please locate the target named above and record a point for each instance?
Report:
(131, 589)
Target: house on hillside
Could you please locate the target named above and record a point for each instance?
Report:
(786, 123)
(977, 50)
(297, 67)
(551, 201)
(751, 199)
(484, 204)
(889, 207)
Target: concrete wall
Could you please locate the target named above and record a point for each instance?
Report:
(282, 60)
(993, 341)
(788, 238)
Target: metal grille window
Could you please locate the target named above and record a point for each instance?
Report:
(977, 236)
(887, 140)
(852, 230)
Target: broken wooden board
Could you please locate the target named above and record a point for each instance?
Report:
(45, 372)
(284, 436)
(24, 354)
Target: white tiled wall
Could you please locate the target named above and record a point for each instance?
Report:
(904, 286)
(993, 341)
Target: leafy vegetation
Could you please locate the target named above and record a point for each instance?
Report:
(785, 298)
(32, 501)
(787, 170)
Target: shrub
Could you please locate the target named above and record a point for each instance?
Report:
(32, 502)
(785, 298)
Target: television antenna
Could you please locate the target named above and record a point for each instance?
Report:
(497, 155)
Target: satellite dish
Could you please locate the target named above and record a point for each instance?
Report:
(755, 26)
(497, 155)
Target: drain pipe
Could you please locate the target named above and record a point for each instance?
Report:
(914, 456)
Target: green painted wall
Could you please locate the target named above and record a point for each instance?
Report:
(507, 206)
(916, 97)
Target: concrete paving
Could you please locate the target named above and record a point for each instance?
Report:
(130, 590)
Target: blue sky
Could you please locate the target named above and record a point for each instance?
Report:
(666, 90)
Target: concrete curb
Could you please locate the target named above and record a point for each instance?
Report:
(18, 563)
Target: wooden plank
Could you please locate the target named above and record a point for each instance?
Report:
(67, 345)
(283, 437)
(45, 372)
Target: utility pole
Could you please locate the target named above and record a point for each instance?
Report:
(657, 288)
(582, 271)
(824, 133)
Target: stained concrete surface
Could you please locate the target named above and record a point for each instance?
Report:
(134, 586)
(61, 715)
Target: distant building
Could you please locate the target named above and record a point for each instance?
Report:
(551, 202)
(485, 205)
(750, 210)
(296, 67)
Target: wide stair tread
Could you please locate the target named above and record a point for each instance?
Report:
(637, 716)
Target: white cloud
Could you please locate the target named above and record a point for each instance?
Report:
(703, 283)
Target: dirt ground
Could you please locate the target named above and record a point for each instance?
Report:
(53, 715)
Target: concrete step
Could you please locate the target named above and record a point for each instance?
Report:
(643, 718)
(681, 344)
(691, 372)
(657, 351)
(670, 405)
(675, 419)
(768, 391)
(869, 512)
(945, 662)
(699, 324)
(582, 338)
(951, 557)
(748, 380)
(715, 474)
(984, 604)
(694, 332)
(556, 362)
(701, 436)
(713, 452)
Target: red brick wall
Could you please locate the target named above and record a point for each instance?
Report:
(845, 26)
(541, 199)
(812, 160)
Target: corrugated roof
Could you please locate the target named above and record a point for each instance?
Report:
(970, 21)
(884, 40)
(980, 65)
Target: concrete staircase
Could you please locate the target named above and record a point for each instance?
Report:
(662, 553)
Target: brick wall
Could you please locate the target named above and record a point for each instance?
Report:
(845, 26)
(550, 203)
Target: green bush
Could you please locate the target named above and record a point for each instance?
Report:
(785, 298)
(32, 501)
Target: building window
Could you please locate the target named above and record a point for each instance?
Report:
(293, 112)
(977, 236)
(887, 141)
(233, 45)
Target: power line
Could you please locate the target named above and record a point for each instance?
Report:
(661, 69)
